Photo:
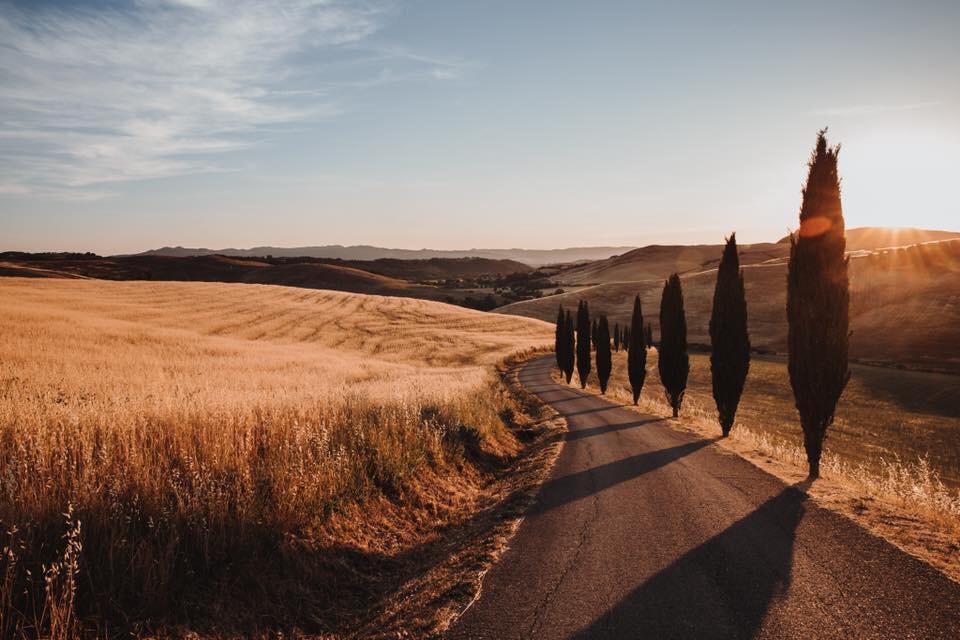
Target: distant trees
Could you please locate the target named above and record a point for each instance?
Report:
(818, 299)
(616, 336)
(593, 334)
(604, 358)
(649, 334)
(673, 361)
(636, 352)
(570, 348)
(729, 340)
(584, 338)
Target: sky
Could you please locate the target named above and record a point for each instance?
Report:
(129, 125)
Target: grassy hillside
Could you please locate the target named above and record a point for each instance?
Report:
(210, 440)
(872, 238)
(905, 305)
(657, 262)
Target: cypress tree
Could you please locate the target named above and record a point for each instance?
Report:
(673, 363)
(649, 334)
(560, 339)
(637, 352)
(583, 343)
(626, 338)
(616, 337)
(604, 359)
(729, 340)
(569, 348)
(593, 334)
(818, 301)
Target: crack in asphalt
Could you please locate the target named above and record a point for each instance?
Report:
(582, 537)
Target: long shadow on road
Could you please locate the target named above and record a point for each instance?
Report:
(721, 589)
(610, 407)
(576, 486)
(588, 432)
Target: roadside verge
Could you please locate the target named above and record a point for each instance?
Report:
(443, 578)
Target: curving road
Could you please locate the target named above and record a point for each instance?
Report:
(645, 532)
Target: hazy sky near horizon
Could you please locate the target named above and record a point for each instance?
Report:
(128, 125)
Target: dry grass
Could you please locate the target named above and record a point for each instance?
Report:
(210, 443)
(891, 460)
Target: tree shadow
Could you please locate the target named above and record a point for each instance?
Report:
(572, 399)
(580, 434)
(721, 589)
(576, 486)
(594, 410)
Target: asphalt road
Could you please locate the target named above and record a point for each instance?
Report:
(645, 532)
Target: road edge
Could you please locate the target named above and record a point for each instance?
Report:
(428, 604)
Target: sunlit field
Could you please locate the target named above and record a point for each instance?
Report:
(198, 434)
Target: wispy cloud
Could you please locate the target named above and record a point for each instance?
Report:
(873, 109)
(92, 95)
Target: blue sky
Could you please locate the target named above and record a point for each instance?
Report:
(455, 124)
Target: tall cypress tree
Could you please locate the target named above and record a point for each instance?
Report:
(604, 358)
(560, 338)
(583, 343)
(637, 352)
(673, 363)
(729, 340)
(626, 338)
(649, 334)
(593, 334)
(569, 348)
(616, 337)
(818, 302)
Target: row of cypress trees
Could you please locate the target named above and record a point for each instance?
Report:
(573, 343)
(817, 315)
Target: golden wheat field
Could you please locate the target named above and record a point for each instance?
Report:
(198, 432)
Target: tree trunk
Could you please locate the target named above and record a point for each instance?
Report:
(813, 443)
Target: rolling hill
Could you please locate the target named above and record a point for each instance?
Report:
(905, 303)
(872, 238)
(394, 277)
(659, 261)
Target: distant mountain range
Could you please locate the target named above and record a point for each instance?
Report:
(857, 239)
(533, 257)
